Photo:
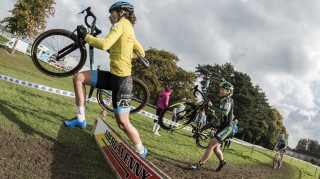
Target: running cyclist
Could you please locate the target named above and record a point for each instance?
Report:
(121, 41)
(225, 129)
(282, 147)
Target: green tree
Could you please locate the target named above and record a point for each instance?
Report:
(163, 70)
(28, 18)
(259, 123)
(312, 146)
(302, 145)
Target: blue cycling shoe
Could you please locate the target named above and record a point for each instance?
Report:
(75, 123)
(144, 153)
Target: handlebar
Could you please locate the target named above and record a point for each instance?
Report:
(197, 90)
(204, 97)
(94, 30)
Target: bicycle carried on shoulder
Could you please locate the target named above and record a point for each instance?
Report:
(60, 53)
(187, 116)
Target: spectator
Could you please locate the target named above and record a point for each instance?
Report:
(202, 121)
(177, 113)
(162, 102)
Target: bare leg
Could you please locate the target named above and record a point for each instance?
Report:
(79, 81)
(211, 146)
(281, 155)
(125, 125)
(218, 152)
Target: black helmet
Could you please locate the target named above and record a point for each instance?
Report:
(227, 85)
(122, 5)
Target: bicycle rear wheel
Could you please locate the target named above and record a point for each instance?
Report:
(58, 53)
(206, 133)
(275, 161)
(167, 120)
(139, 97)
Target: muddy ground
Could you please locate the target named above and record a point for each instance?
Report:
(43, 159)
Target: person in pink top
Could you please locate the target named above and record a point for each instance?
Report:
(162, 102)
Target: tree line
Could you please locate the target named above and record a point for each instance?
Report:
(308, 147)
(259, 123)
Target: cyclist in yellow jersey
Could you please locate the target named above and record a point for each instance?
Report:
(121, 41)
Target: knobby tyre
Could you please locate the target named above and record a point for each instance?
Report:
(58, 53)
(206, 133)
(168, 121)
(139, 97)
(275, 161)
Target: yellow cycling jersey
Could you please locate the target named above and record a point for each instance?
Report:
(121, 41)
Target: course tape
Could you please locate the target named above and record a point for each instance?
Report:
(41, 87)
(72, 95)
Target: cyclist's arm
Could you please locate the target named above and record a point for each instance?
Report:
(108, 41)
(137, 46)
(166, 100)
(276, 145)
(286, 145)
(225, 110)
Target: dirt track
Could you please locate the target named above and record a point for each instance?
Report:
(22, 153)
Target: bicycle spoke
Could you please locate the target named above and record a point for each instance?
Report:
(56, 53)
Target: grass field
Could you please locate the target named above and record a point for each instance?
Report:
(29, 114)
(2, 39)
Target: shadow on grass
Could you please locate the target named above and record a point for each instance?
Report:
(71, 154)
(7, 109)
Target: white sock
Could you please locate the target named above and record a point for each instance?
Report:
(80, 113)
(139, 148)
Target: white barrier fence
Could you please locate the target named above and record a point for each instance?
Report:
(150, 115)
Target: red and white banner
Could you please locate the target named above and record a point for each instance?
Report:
(125, 162)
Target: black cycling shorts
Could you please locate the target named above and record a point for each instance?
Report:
(282, 146)
(223, 134)
(121, 89)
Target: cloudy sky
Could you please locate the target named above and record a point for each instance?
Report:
(276, 42)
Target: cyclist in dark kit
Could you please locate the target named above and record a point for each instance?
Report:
(282, 146)
(121, 41)
(225, 129)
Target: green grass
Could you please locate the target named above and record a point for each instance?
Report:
(301, 168)
(38, 115)
(2, 39)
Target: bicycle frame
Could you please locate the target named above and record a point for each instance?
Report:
(199, 109)
(93, 28)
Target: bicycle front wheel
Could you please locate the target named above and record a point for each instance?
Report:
(275, 161)
(206, 133)
(139, 97)
(58, 53)
(175, 117)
